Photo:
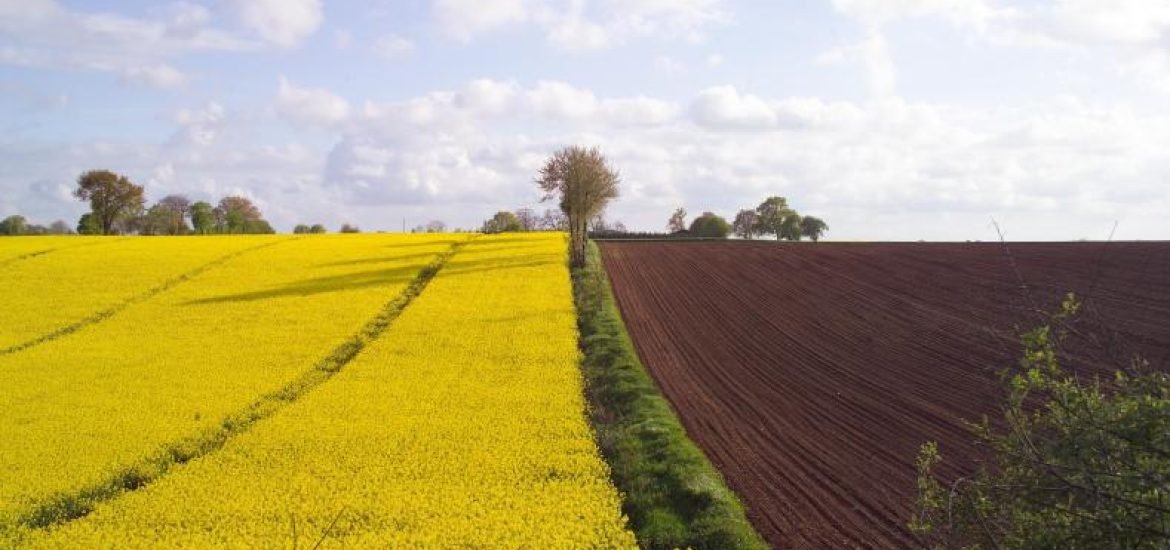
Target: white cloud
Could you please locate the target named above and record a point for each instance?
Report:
(310, 106)
(466, 19)
(975, 13)
(392, 47)
(581, 25)
(561, 100)
(43, 33)
(488, 97)
(157, 76)
(1133, 34)
(723, 107)
(198, 127)
(284, 23)
(638, 111)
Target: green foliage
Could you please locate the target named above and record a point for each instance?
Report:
(113, 199)
(317, 228)
(813, 227)
(710, 226)
(14, 225)
(300, 229)
(1081, 465)
(774, 217)
(347, 228)
(502, 222)
(671, 493)
(87, 225)
(790, 228)
(203, 218)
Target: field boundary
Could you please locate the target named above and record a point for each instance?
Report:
(135, 299)
(673, 495)
(63, 508)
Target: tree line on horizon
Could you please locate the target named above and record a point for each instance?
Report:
(118, 207)
(773, 216)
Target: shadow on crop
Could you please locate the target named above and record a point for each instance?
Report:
(379, 259)
(319, 285)
(391, 276)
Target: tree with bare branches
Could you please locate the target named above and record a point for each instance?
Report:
(585, 183)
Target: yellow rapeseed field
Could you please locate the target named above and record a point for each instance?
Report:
(81, 276)
(12, 250)
(81, 408)
(463, 426)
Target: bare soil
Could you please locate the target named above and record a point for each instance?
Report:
(810, 374)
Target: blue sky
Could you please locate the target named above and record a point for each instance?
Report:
(891, 119)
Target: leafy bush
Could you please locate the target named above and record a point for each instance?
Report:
(1080, 465)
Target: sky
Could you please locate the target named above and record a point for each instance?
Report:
(889, 119)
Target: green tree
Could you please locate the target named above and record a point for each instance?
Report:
(347, 228)
(157, 221)
(677, 221)
(771, 216)
(813, 227)
(113, 199)
(87, 225)
(300, 229)
(203, 218)
(744, 225)
(236, 214)
(14, 225)
(584, 182)
(1079, 465)
(502, 222)
(317, 228)
(710, 226)
(790, 229)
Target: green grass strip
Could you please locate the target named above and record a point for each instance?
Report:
(150, 293)
(672, 494)
(68, 507)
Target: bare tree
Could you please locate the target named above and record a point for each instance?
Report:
(553, 220)
(585, 183)
(178, 209)
(528, 219)
(678, 221)
(745, 223)
(435, 226)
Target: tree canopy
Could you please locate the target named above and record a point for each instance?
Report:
(744, 225)
(502, 222)
(14, 225)
(584, 182)
(113, 199)
(813, 227)
(710, 226)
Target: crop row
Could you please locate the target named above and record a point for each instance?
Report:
(78, 411)
(462, 426)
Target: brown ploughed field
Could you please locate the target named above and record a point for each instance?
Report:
(810, 374)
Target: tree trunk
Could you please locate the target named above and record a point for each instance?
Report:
(576, 245)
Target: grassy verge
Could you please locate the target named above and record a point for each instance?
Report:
(673, 496)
